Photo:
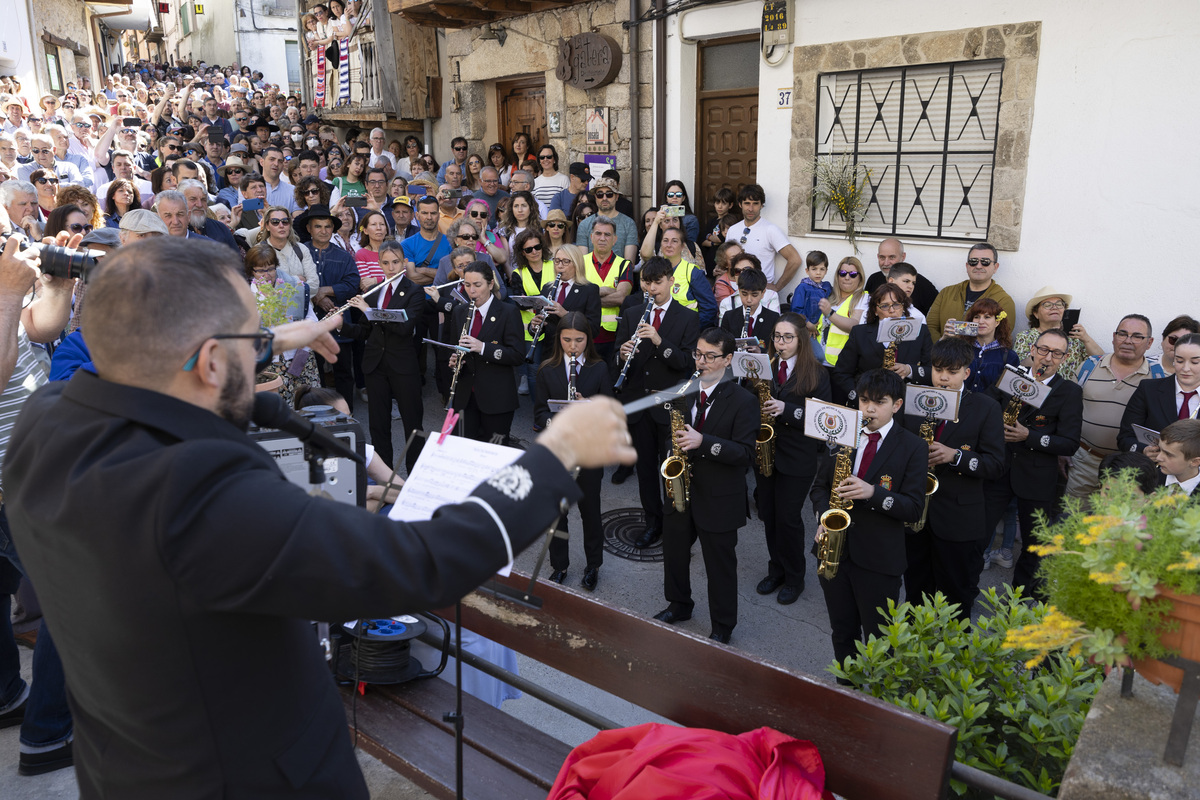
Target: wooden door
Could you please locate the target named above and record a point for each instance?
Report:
(523, 108)
(727, 119)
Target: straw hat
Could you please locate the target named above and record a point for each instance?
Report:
(1045, 293)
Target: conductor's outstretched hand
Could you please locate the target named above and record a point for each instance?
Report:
(314, 335)
(592, 434)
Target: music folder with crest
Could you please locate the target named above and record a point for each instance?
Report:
(751, 365)
(932, 403)
(831, 423)
(1022, 386)
(901, 329)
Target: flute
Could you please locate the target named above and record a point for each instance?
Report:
(445, 285)
(368, 293)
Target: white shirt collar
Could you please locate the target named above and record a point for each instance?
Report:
(1188, 486)
(664, 306)
(883, 432)
(483, 309)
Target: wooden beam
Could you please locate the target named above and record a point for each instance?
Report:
(433, 20)
(463, 12)
(58, 41)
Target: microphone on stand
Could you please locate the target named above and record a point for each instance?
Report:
(270, 411)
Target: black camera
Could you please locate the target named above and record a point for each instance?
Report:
(63, 262)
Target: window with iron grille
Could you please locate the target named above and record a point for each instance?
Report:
(927, 134)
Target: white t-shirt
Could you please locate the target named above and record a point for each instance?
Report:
(546, 189)
(763, 239)
(378, 160)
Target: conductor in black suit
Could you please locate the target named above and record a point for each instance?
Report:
(574, 292)
(947, 554)
(887, 486)
(752, 284)
(179, 568)
(389, 359)
(1034, 443)
(575, 363)
(486, 394)
(1157, 403)
(719, 426)
(661, 343)
(862, 352)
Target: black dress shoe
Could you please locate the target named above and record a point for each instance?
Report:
(622, 474)
(719, 636)
(41, 763)
(789, 595)
(649, 536)
(558, 576)
(591, 576)
(768, 585)
(671, 616)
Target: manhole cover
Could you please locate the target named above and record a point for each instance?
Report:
(621, 527)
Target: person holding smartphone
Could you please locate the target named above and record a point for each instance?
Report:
(1045, 311)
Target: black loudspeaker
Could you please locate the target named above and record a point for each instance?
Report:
(345, 481)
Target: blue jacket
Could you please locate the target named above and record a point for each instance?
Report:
(336, 268)
(807, 296)
(72, 354)
(987, 366)
(219, 232)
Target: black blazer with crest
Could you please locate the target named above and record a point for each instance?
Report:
(489, 375)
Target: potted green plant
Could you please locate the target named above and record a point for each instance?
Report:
(274, 302)
(1121, 578)
(840, 184)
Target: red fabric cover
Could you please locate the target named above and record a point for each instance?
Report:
(662, 761)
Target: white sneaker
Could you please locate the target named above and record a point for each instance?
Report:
(523, 389)
(987, 560)
(1004, 559)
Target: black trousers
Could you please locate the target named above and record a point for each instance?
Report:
(780, 507)
(852, 598)
(939, 565)
(341, 374)
(997, 495)
(382, 388)
(589, 481)
(482, 427)
(650, 442)
(719, 549)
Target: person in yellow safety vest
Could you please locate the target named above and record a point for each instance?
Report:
(533, 274)
(691, 287)
(843, 309)
(610, 272)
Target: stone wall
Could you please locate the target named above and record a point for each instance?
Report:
(64, 19)
(532, 47)
(1018, 44)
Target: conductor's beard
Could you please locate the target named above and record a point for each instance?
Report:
(236, 401)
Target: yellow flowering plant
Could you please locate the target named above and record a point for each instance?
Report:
(840, 184)
(1105, 568)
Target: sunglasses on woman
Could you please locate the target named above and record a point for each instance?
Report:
(53, 181)
(533, 248)
(844, 273)
(557, 225)
(76, 227)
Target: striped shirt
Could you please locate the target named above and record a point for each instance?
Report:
(1104, 401)
(27, 376)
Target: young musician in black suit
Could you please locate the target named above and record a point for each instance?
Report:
(574, 292)
(486, 394)
(798, 375)
(719, 425)
(1178, 455)
(947, 554)
(574, 360)
(862, 352)
(752, 284)
(390, 356)
(442, 301)
(661, 338)
(887, 486)
(1158, 402)
(1035, 442)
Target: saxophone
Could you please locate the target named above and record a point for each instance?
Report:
(461, 356)
(889, 355)
(675, 470)
(765, 442)
(836, 520)
(1013, 409)
(928, 428)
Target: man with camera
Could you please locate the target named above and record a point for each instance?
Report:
(40, 708)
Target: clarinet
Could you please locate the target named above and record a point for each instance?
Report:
(541, 323)
(625, 369)
(461, 356)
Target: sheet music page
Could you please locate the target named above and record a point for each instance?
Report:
(446, 474)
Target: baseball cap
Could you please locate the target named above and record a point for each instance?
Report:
(580, 170)
(104, 236)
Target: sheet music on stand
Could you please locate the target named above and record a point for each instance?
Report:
(446, 473)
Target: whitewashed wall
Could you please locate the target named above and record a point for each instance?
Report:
(1112, 204)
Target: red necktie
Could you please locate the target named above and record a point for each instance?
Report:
(941, 426)
(868, 454)
(387, 298)
(477, 325)
(700, 411)
(750, 327)
(657, 318)
(562, 294)
(1184, 412)
(782, 373)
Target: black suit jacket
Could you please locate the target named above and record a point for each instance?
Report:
(591, 380)
(490, 374)
(718, 465)
(584, 298)
(795, 453)
(863, 353)
(956, 510)
(1054, 430)
(875, 540)
(659, 367)
(391, 345)
(764, 324)
(210, 548)
(1151, 406)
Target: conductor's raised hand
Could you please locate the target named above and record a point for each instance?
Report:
(313, 334)
(592, 434)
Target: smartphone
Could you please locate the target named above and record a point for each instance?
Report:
(961, 328)
(674, 211)
(417, 191)
(216, 135)
(355, 202)
(454, 194)
(1070, 319)
(252, 204)
(131, 122)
